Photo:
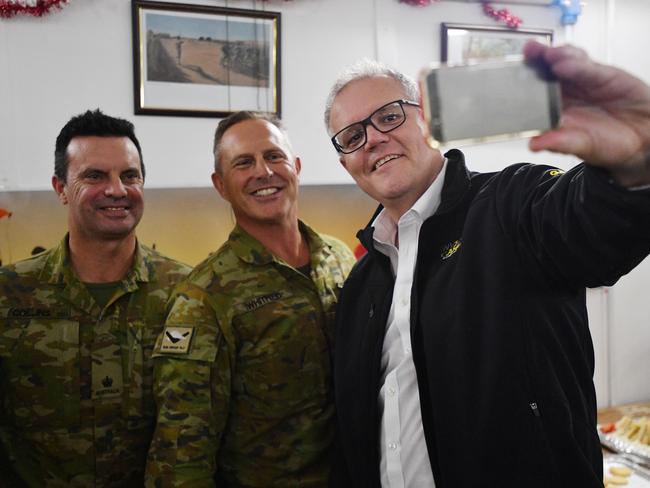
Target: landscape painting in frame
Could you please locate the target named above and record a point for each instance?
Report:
(462, 43)
(198, 60)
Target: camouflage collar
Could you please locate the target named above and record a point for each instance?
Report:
(58, 269)
(251, 251)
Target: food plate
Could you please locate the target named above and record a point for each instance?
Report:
(613, 437)
(639, 477)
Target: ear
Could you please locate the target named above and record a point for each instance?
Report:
(217, 182)
(297, 164)
(59, 188)
(422, 124)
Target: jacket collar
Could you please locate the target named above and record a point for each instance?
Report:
(58, 271)
(58, 268)
(457, 182)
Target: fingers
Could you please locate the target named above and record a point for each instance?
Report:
(566, 62)
(564, 140)
(534, 51)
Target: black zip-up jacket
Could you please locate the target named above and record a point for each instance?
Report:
(499, 331)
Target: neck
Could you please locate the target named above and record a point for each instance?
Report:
(283, 240)
(101, 261)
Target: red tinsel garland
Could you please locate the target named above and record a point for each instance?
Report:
(419, 3)
(39, 8)
(502, 15)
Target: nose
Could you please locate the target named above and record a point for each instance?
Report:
(115, 188)
(262, 169)
(374, 137)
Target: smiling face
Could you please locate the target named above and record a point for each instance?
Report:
(103, 189)
(394, 168)
(258, 174)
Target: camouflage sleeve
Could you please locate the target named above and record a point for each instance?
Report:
(192, 390)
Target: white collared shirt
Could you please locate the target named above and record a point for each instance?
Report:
(404, 457)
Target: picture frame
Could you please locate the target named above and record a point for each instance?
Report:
(466, 43)
(204, 61)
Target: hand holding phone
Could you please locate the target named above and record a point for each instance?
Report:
(488, 101)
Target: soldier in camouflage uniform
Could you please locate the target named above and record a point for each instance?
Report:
(243, 369)
(78, 323)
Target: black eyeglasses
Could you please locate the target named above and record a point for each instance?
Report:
(384, 119)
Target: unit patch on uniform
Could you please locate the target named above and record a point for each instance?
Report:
(176, 339)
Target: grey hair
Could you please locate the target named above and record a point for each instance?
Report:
(368, 68)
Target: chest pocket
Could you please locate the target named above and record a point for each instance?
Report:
(283, 358)
(137, 365)
(40, 374)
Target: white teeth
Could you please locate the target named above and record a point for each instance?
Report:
(114, 208)
(265, 191)
(385, 159)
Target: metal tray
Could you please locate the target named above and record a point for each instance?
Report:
(638, 453)
(640, 477)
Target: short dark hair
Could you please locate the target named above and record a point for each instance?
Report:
(236, 118)
(91, 123)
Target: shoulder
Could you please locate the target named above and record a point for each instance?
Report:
(208, 282)
(520, 178)
(222, 261)
(24, 277)
(522, 172)
(30, 268)
(338, 255)
(163, 270)
(335, 244)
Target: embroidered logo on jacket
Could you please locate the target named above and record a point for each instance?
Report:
(555, 172)
(257, 302)
(449, 249)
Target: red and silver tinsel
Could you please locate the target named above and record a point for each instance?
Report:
(419, 3)
(36, 8)
(502, 15)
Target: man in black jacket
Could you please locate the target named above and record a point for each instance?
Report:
(463, 353)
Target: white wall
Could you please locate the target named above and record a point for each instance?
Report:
(79, 58)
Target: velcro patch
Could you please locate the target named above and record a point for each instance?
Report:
(176, 340)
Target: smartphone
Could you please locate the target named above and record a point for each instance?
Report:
(488, 101)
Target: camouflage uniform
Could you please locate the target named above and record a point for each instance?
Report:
(250, 402)
(76, 406)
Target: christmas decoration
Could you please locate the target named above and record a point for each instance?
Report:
(502, 15)
(419, 3)
(36, 8)
(571, 9)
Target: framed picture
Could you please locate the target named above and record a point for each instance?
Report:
(462, 43)
(204, 61)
